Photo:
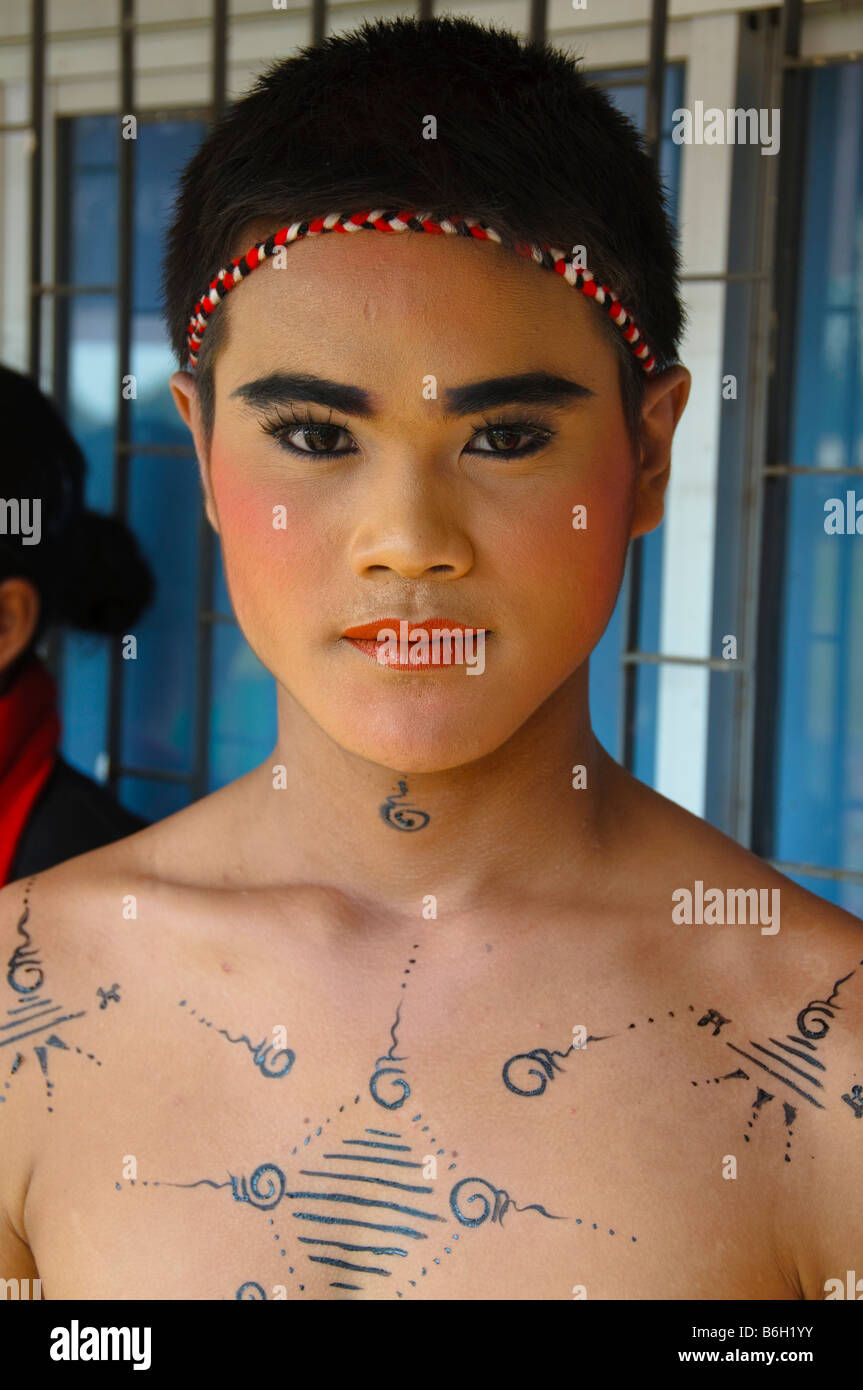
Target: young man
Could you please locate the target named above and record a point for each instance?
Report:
(416, 1008)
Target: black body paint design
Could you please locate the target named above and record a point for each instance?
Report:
(855, 1100)
(716, 1018)
(382, 1070)
(778, 1076)
(546, 1061)
(107, 994)
(789, 1116)
(497, 1209)
(403, 817)
(372, 1210)
(344, 1225)
(241, 1292)
(267, 1065)
(263, 1197)
(820, 1006)
(738, 1075)
(24, 960)
(806, 1038)
(25, 975)
(397, 1072)
(367, 1227)
(812, 1027)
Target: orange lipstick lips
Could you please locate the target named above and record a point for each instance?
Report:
(413, 646)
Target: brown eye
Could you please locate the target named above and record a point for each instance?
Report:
(508, 436)
(321, 437)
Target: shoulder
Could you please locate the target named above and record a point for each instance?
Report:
(55, 925)
(57, 949)
(773, 943)
(710, 878)
(790, 966)
(67, 933)
(79, 911)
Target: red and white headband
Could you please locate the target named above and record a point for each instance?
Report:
(551, 259)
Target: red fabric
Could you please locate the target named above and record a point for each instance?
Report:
(29, 739)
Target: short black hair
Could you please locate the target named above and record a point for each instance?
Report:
(524, 142)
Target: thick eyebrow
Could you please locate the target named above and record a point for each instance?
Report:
(527, 388)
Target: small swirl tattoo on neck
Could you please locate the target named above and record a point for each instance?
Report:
(402, 817)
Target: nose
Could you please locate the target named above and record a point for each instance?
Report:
(411, 524)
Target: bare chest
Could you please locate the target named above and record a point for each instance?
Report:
(351, 1133)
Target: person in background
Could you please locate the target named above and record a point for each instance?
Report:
(60, 566)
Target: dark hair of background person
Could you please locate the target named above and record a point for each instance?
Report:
(524, 142)
(87, 567)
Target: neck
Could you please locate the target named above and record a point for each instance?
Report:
(504, 829)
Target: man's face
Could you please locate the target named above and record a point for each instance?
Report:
(423, 511)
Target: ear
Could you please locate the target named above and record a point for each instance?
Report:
(664, 400)
(20, 606)
(184, 389)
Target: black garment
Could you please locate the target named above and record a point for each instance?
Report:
(72, 814)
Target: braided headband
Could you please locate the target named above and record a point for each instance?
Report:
(380, 221)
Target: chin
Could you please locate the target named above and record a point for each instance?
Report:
(409, 744)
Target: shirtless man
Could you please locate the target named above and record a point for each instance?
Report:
(413, 1010)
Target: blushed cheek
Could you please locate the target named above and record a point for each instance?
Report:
(581, 568)
(570, 555)
(262, 541)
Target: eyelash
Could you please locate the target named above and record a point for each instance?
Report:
(278, 427)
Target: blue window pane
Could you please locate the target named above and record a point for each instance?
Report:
(828, 388)
(646, 703)
(83, 712)
(605, 677)
(155, 419)
(632, 100)
(818, 790)
(647, 680)
(163, 147)
(650, 590)
(94, 210)
(94, 141)
(819, 762)
(669, 152)
(93, 392)
(160, 685)
(92, 213)
(243, 723)
(161, 151)
(150, 798)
